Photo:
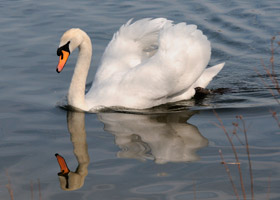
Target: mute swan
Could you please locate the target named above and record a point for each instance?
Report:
(147, 63)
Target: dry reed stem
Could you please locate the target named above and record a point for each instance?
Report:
(271, 72)
(272, 49)
(268, 87)
(234, 132)
(39, 187)
(272, 76)
(234, 151)
(242, 129)
(229, 175)
(274, 115)
(194, 190)
(31, 190)
(248, 154)
(9, 186)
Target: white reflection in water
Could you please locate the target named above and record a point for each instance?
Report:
(161, 137)
(76, 128)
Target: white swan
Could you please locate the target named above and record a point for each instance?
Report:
(147, 63)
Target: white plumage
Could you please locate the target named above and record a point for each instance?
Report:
(147, 63)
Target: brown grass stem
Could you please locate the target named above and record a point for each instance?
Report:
(194, 190)
(272, 49)
(234, 151)
(39, 187)
(271, 72)
(32, 190)
(274, 115)
(248, 154)
(234, 132)
(9, 186)
(229, 175)
(268, 87)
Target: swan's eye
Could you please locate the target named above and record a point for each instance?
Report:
(59, 52)
(65, 48)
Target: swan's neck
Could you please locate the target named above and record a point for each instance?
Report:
(76, 127)
(76, 93)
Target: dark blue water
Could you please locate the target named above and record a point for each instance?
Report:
(171, 155)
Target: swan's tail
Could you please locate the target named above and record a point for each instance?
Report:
(183, 53)
(208, 75)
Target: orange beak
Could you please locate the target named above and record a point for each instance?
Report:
(64, 170)
(62, 60)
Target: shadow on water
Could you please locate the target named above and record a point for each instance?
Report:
(165, 137)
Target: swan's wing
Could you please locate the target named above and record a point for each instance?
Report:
(182, 56)
(130, 45)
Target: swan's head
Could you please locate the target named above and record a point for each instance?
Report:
(69, 180)
(69, 41)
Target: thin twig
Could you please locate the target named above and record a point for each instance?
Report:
(274, 115)
(194, 190)
(248, 154)
(234, 132)
(229, 175)
(276, 83)
(270, 74)
(39, 187)
(31, 190)
(235, 154)
(9, 186)
(268, 87)
(272, 56)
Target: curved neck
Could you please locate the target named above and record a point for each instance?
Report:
(76, 93)
(76, 127)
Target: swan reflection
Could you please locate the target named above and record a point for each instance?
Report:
(160, 137)
(74, 180)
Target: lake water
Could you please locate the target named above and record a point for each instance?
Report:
(161, 155)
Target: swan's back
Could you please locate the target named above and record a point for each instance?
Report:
(133, 43)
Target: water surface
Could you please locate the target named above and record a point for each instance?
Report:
(170, 154)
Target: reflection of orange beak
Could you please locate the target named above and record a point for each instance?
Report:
(64, 170)
(62, 60)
